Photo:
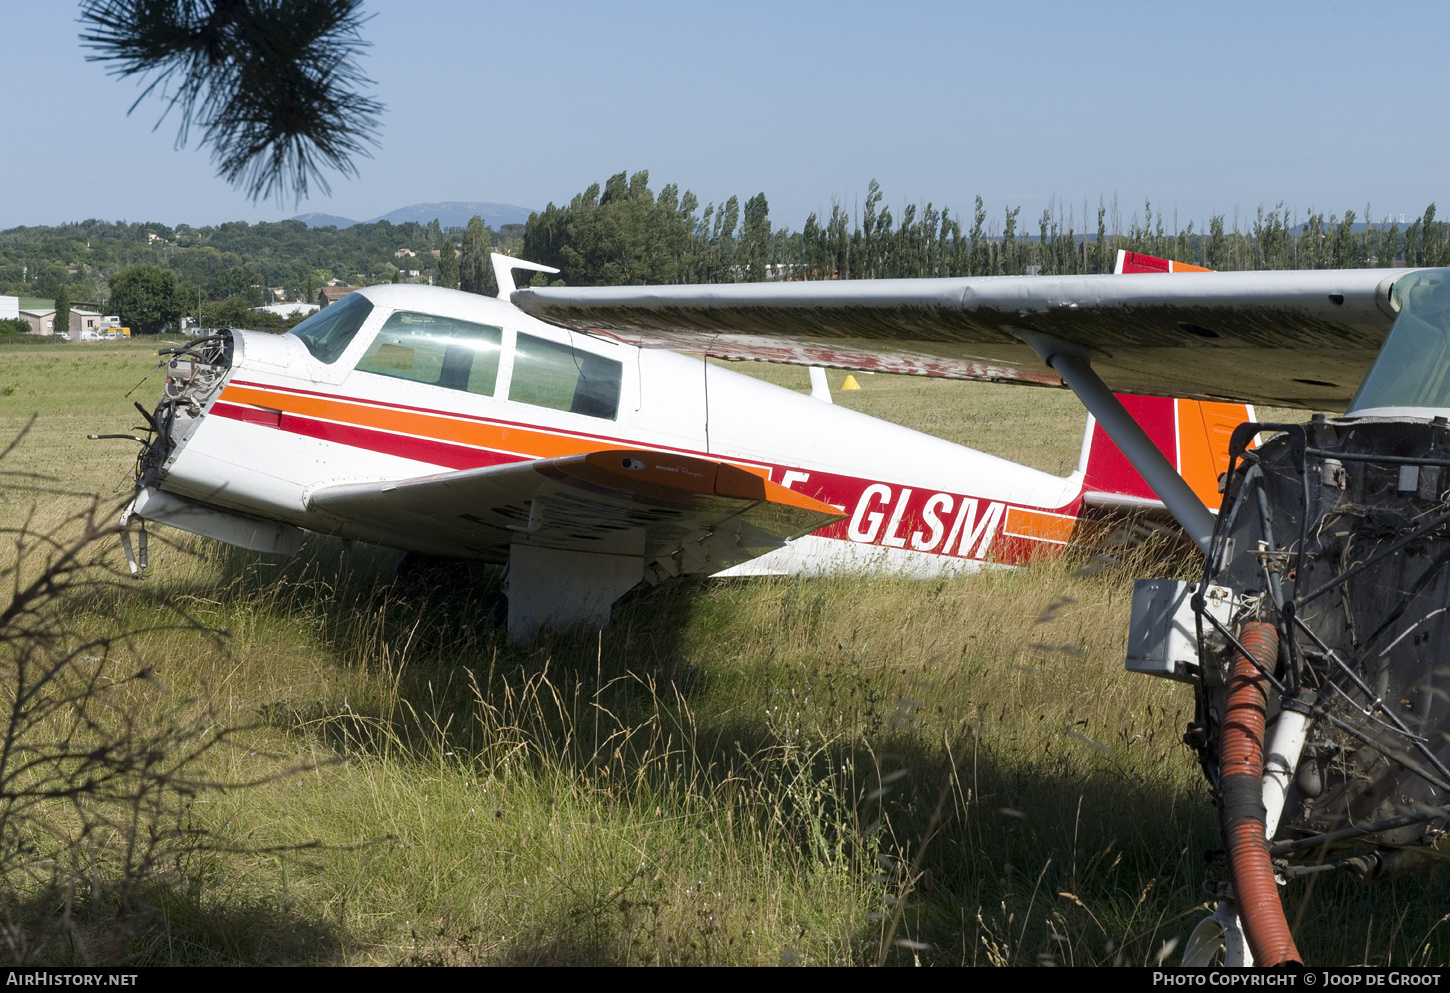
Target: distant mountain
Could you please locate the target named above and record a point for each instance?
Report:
(450, 214)
(456, 213)
(316, 220)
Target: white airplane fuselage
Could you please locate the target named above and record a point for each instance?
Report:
(284, 423)
(398, 415)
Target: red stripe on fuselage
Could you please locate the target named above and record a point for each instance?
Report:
(440, 453)
(264, 416)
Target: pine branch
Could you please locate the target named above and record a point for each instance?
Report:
(273, 84)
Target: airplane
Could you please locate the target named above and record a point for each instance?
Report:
(453, 425)
(1315, 639)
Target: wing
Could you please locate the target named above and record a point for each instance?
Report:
(1279, 337)
(681, 514)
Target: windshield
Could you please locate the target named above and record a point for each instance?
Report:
(1413, 367)
(328, 332)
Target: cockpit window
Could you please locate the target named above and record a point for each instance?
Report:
(438, 351)
(561, 377)
(1413, 367)
(328, 332)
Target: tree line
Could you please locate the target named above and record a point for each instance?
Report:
(235, 259)
(623, 232)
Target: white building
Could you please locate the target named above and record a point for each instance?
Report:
(42, 319)
(287, 309)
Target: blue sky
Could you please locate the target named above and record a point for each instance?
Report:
(1203, 107)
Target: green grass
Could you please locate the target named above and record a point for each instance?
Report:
(757, 772)
(75, 389)
(1041, 428)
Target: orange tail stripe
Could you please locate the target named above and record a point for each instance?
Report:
(1204, 430)
(1039, 525)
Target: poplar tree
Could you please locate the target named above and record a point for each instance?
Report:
(1434, 238)
(1101, 262)
(475, 274)
(869, 228)
(62, 312)
(1344, 242)
(1007, 262)
(756, 235)
(978, 263)
(448, 265)
(1217, 254)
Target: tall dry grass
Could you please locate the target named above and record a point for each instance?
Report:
(100, 764)
(830, 772)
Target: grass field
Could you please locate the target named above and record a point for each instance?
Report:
(851, 771)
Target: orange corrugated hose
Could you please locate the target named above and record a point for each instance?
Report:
(1241, 802)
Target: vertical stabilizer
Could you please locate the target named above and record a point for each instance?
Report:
(1192, 434)
(1130, 262)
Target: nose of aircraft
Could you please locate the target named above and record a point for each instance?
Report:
(195, 374)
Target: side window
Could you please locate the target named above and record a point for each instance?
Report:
(438, 351)
(560, 377)
(328, 332)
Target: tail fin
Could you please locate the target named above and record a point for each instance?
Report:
(1138, 262)
(1192, 434)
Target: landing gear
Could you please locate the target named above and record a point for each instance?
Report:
(1218, 940)
(416, 573)
(552, 588)
(432, 577)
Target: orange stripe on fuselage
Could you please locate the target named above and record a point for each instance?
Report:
(538, 444)
(438, 426)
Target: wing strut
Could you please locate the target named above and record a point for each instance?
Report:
(1075, 367)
